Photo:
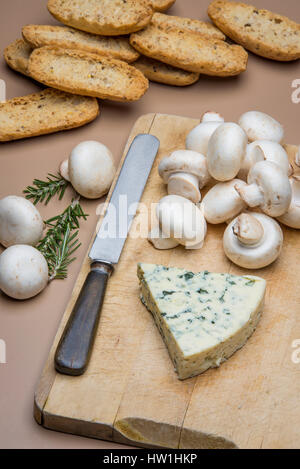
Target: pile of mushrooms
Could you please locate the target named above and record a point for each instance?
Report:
(251, 185)
(23, 269)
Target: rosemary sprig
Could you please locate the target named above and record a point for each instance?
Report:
(41, 190)
(59, 254)
(60, 243)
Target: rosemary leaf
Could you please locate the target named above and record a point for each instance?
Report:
(43, 191)
(59, 254)
(60, 241)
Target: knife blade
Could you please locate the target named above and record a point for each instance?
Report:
(74, 349)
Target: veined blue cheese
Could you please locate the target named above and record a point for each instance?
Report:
(203, 318)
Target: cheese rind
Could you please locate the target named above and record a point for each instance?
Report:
(203, 318)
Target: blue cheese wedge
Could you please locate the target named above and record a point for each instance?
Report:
(203, 318)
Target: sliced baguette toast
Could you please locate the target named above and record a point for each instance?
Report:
(87, 74)
(162, 5)
(44, 113)
(105, 17)
(69, 38)
(190, 51)
(204, 28)
(17, 56)
(163, 73)
(260, 31)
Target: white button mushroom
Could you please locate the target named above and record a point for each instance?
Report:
(226, 150)
(23, 272)
(20, 222)
(261, 150)
(261, 126)
(268, 188)
(182, 220)
(161, 241)
(91, 169)
(212, 116)
(292, 217)
(253, 240)
(198, 138)
(185, 172)
(222, 202)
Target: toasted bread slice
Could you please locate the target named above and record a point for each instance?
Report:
(69, 38)
(105, 17)
(44, 113)
(163, 73)
(17, 56)
(87, 74)
(162, 5)
(190, 51)
(200, 27)
(260, 31)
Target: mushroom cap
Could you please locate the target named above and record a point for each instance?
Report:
(271, 151)
(212, 116)
(222, 202)
(292, 217)
(182, 220)
(91, 169)
(275, 186)
(259, 255)
(226, 150)
(184, 161)
(23, 272)
(198, 138)
(20, 222)
(261, 126)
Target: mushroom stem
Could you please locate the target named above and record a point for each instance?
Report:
(291, 170)
(248, 230)
(186, 185)
(251, 194)
(64, 170)
(160, 241)
(296, 177)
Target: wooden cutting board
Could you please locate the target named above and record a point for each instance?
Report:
(130, 392)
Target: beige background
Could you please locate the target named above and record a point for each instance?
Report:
(28, 328)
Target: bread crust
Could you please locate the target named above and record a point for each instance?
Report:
(201, 27)
(17, 56)
(190, 51)
(69, 38)
(262, 32)
(166, 74)
(104, 17)
(162, 5)
(87, 74)
(43, 113)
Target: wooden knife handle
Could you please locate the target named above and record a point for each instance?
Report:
(75, 346)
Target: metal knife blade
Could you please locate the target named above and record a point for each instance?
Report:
(129, 188)
(75, 346)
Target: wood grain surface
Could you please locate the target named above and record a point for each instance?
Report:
(130, 392)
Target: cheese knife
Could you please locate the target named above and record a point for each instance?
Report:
(75, 346)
